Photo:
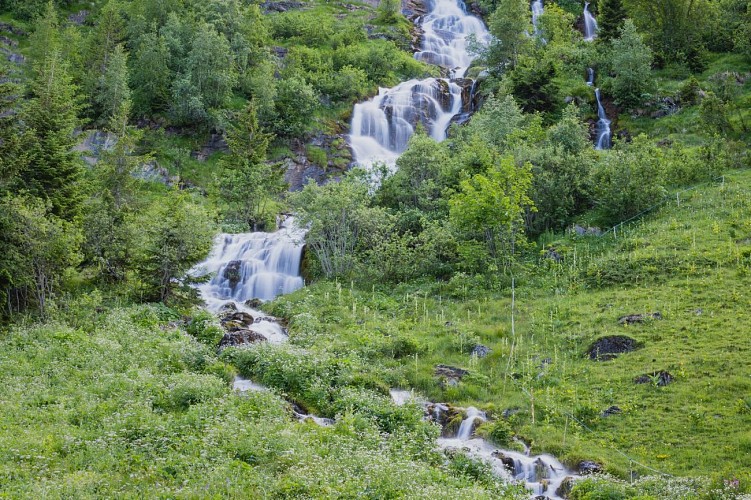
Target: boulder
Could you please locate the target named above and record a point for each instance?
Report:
(240, 338)
(613, 410)
(253, 303)
(564, 490)
(609, 347)
(449, 375)
(232, 273)
(660, 378)
(631, 319)
(236, 320)
(587, 467)
(481, 351)
(507, 461)
(229, 306)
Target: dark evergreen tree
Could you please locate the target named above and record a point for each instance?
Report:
(50, 115)
(612, 14)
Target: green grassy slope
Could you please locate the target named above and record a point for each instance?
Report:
(689, 261)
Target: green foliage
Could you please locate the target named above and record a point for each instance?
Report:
(177, 235)
(631, 62)
(629, 180)
(510, 25)
(248, 182)
(54, 170)
(389, 11)
(490, 206)
(295, 103)
(533, 84)
(37, 249)
(610, 19)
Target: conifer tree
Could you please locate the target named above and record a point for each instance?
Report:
(612, 14)
(50, 115)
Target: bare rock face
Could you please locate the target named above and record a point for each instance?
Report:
(609, 347)
(587, 467)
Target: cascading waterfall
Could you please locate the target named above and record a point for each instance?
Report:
(603, 125)
(590, 77)
(541, 474)
(253, 266)
(590, 25)
(382, 126)
(537, 10)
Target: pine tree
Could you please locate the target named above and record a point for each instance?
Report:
(113, 96)
(612, 14)
(50, 115)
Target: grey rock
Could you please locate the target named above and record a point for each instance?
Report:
(660, 378)
(631, 319)
(481, 351)
(239, 338)
(587, 467)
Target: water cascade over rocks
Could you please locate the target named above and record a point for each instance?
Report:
(537, 10)
(590, 25)
(382, 126)
(253, 266)
(543, 474)
(603, 125)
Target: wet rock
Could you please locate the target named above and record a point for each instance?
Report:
(660, 378)
(508, 412)
(8, 41)
(631, 319)
(232, 272)
(93, 143)
(587, 467)
(215, 144)
(253, 303)
(280, 6)
(609, 347)
(481, 351)
(239, 338)
(229, 306)
(564, 490)
(507, 461)
(613, 410)
(236, 320)
(151, 172)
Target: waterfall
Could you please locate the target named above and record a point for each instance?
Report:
(590, 77)
(542, 474)
(590, 25)
(537, 10)
(603, 125)
(253, 266)
(468, 424)
(382, 126)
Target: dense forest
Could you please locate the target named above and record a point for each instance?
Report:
(491, 270)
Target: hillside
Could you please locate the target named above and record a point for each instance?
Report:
(338, 249)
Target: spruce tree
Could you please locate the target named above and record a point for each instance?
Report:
(612, 14)
(50, 115)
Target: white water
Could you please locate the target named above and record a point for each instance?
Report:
(263, 266)
(382, 126)
(590, 77)
(603, 125)
(541, 474)
(537, 11)
(244, 385)
(590, 25)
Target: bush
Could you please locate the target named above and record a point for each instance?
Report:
(204, 327)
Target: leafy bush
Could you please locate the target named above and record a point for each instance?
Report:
(204, 327)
